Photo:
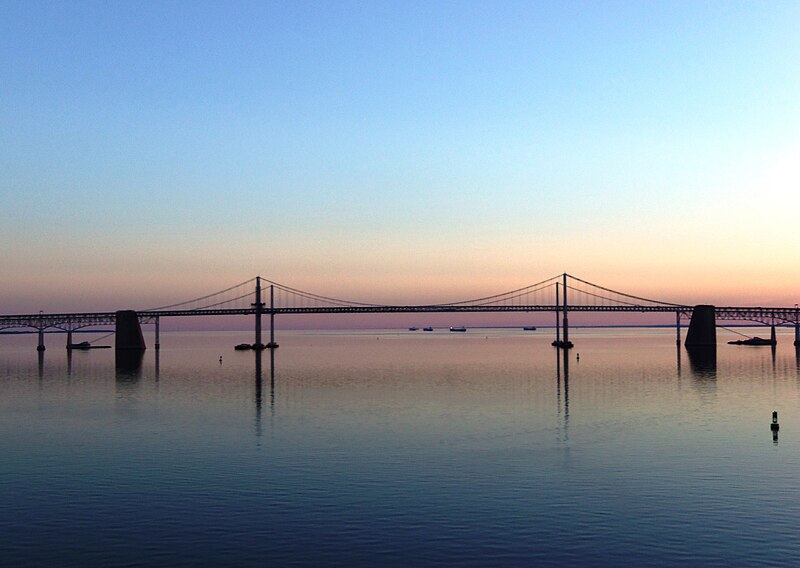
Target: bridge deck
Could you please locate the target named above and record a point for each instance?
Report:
(75, 320)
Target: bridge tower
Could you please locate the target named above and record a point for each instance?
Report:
(272, 344)
(259, 307)
(567, 344)
(561, 309)
(558, 316)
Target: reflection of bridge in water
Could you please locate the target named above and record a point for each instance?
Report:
(561, 295)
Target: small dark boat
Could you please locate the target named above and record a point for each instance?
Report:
(563, 344)
(413, 328)
(459, 328)
(427, 329)
(529, 328)
(85, 345)
(243, 347)
(752, 341)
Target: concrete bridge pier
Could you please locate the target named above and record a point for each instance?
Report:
(41, 346)
(702, 327)
(69, 338)
(128, 334)
(772, 336)
(797, 334)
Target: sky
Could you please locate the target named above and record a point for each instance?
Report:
(397, 151)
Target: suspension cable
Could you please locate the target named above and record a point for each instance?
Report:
(207, 296)
(624, 294)
(312, 296)
(499, 295)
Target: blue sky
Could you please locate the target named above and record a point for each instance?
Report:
(355, 147)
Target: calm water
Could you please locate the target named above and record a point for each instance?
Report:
(382, 448)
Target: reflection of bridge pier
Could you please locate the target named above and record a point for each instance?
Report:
(703, 361)
(259, 394)
(563, 410)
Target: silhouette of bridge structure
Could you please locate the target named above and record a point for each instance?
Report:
(260, 297)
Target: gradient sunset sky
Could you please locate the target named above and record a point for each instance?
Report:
(398, 151)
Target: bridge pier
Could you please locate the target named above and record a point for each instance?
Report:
(558, 317)
(678, 327)
(158, 332)
(69, 338)
(797, 334)
(772, 337)
(41, 346)
(702, 327)
(128, 333)
(272, 344)
(567, 343)
(259, 306)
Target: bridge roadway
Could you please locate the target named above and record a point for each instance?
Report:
(77, 320)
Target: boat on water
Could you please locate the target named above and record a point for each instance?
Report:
(458, 328)
(752, 341)
(413, 328)
(83, 345)
(427, 329)
(529, 328)
(256, 346)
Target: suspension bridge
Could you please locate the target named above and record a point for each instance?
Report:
(259, 297)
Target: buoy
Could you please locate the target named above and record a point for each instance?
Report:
(220, 359)
(578, 357)
(775, 426)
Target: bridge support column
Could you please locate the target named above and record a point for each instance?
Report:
(69, 338)
(702, 327)
(772, 336)
(41, 346)
(259, 307)
(558, 317)
(678, 327)
(566, 320)
(796, 325)
(128, 331)
(158, 332)
(272, 344)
